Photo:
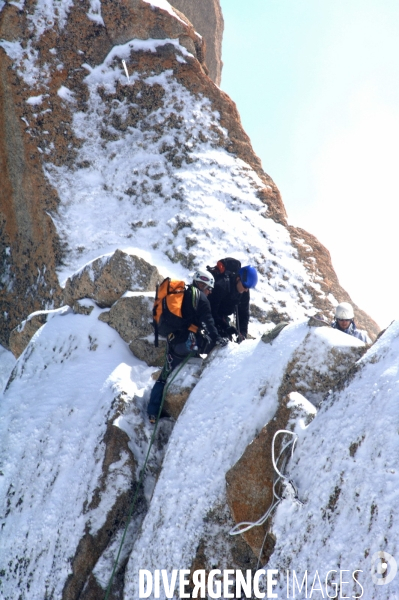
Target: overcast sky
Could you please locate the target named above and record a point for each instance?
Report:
(317, 86)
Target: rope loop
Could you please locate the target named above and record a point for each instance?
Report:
(288, 488)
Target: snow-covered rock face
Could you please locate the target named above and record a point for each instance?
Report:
(151, 160)
(164, 165)
(245, 382)
(66, 473)
(43, 47)
(346, 470)
(77, 381)
(154, 162)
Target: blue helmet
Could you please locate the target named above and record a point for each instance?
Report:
(248, 276)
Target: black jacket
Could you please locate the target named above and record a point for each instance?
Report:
(202, 314)
(224, 300)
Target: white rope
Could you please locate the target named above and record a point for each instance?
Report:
(126, 71)
(293, 442)
(289, 488)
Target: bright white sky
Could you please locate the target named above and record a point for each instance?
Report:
(317, 86)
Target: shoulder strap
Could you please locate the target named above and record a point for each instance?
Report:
(195, 296)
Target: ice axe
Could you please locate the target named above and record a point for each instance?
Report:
(239, 337)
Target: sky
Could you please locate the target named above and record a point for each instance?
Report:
(316, 85)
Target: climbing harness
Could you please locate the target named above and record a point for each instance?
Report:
(286, 487)
(142, 473)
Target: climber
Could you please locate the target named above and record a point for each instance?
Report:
(344, 321)
(196, 310)
(231, 295)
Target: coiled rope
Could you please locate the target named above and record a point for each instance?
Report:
(288, 488)
(143, 472)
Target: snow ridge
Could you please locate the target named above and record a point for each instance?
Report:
(349, 486)
(235, 397)
(53, 416)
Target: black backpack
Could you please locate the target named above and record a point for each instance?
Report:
(224, 268)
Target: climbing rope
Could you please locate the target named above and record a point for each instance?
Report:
(287, 485)
(142, 473)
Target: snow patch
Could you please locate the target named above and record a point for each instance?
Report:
(164, 5)
(94, 13)
(66, 94)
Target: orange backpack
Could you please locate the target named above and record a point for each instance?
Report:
(167, 310)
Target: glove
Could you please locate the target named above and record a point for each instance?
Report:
(229, 331)
(205, 343)
(221, 341)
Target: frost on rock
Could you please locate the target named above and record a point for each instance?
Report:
(151, 172)
(26, 61)
(58, 441)
(48, 13)
(321, 362)
(345, 467)
(207, 440)
(165, 5)
(95, 12)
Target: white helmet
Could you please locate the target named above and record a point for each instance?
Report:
(204, 277)
(344, 311)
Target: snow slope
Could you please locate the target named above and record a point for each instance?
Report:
(53, 417)
(346, 470)
(236, 396)
(178, 213)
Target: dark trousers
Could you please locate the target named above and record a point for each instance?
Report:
(175, 354)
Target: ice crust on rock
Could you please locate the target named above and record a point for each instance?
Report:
(187, 193)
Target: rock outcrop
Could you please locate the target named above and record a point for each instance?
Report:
(131, 317)
(181, 387)
(107, 278)
(250, 482)
(305, 383)
(21, 335)
(73, 132)
(207, 18)
(105, 281)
